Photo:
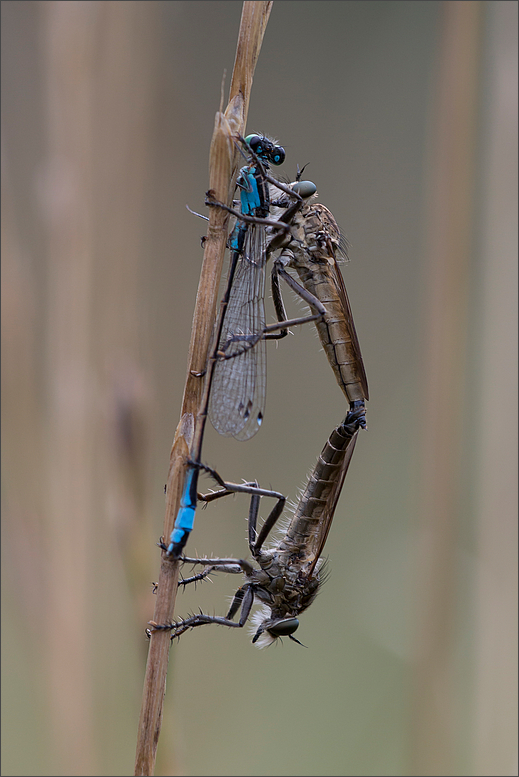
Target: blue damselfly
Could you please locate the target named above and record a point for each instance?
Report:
(255, 200)
(237, 400)
(288, 575)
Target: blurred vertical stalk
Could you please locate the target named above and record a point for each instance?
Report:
(69, 56)
(222, 173)
(495, 724)
(436, 724)
(99, 89)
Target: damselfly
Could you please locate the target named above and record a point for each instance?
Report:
(255, 200)
(237, 400)
(288, 576)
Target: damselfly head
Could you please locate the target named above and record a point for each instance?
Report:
(265, 149)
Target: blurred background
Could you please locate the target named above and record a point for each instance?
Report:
(407, 115)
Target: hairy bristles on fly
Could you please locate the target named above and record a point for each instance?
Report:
(257, 618)
(344, 246)
(283, 524)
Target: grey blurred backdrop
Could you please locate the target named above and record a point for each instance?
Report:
(107, 116)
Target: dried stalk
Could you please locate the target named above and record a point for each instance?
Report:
(222, 175)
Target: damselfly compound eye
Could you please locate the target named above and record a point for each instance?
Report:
(256, 143)
(277, 156)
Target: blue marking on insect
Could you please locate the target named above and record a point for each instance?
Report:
(249, 195)
(186, 514)
(251, 201)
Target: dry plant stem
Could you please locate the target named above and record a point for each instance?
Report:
(223, 166)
